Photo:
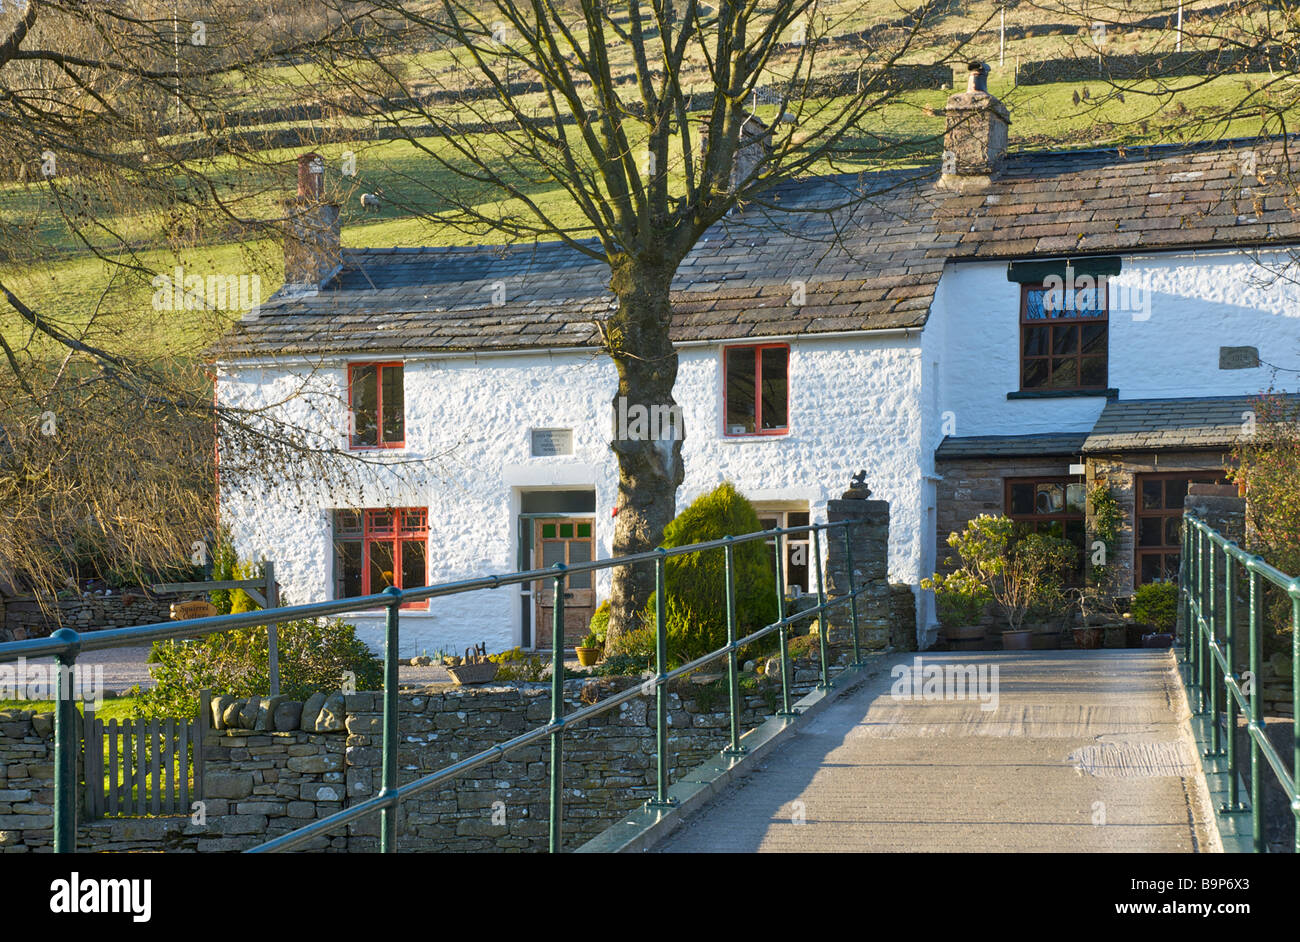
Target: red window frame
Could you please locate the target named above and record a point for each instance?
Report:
(1075, 324)
(758, 387)
(379, 406)
(405, 524)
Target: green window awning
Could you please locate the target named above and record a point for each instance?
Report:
(1036, 272)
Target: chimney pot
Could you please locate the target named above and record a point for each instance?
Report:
(977, 81)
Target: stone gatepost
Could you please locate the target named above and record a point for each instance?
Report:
(870, 541)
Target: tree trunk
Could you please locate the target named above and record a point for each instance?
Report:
(647, 429)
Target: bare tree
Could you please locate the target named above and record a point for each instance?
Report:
(640, 114)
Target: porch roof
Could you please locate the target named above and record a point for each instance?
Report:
(1010, 446)
(1165, 424)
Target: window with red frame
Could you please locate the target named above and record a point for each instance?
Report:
(757, 390)
(377, 400)
(374, 549)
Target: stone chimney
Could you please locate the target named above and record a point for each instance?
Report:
(752, 149)
(976, 137)
(312, 253)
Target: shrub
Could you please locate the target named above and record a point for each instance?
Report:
(1156, 604)
(518, 664)
(959, 596)
(696, 582)
(314, 656)
(599, 621)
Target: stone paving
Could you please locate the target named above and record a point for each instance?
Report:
(1082, 751)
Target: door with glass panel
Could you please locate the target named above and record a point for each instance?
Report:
(565, 540)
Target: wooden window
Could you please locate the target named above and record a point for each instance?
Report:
(1063, 336)
(1159, 525)
(756, 390)
(1055, 506)
(798, 563)
(374, 549)
(377, 402)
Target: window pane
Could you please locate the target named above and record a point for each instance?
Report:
(1022, 499)
(381, 566)
(548, 531)
(1094, 339)
(740, 390)
(347, 569)
(1065, 339)
(365, 405)
(1151, 569)
(1050, 499)
(775, 387)
(584, 529)
(1150, 531)
(1034, 308)
(1035, 374)
(1175, 493)
(414, 520)
(347, 523)
(1075, 498)
(552, 553)
(566, 531)
(1065, 373)
(1036, 341)
(414, 563)
(798, 518)
(1094, 372)
(394, 429)
(580, 552)
(379, 521)
(1151, 491)
(1173, 530)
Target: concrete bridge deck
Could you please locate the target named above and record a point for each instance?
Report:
(1083, 751)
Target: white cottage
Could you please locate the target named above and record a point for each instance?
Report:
(990, 339)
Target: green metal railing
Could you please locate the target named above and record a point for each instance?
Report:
(1212, 568)
(65, 645)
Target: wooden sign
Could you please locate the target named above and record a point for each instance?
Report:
(183, 611)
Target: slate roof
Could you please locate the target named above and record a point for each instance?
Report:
(1010, 446)
(1163, 424)
(870, 267)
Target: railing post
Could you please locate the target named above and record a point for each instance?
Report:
(1185, 586)
(853, 592)
(1256, 705)
(782, 633)
(273, 629)
(557, 714)
(388, 816)
(733, 671)
(1198, 646)
(822, 627)
(661, 799)
(1294, 591)
(1230, 674)
(66, 745)
(1212, 662)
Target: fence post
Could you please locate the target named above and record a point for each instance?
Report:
(65, 745)
(273, 629)
(661, 799)
(783, 634)
(388, 816)
(733, 673)
(1256, 704)
(822, 619)
(557, 714)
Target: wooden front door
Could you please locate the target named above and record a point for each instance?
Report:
(565, 540)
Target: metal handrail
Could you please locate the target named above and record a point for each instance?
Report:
(1210, 567)
(66, 644)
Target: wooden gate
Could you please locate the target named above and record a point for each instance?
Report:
(139, 767)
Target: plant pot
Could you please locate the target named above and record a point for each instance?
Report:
(1089, 637)
(964, 637)
(1116, 636)
(1159, 639)
(1021, 640)
(587, 656)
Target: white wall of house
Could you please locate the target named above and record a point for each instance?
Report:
(854, 403)
(1165, 346)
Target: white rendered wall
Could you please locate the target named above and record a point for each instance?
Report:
(854, 404)
(1166, 345)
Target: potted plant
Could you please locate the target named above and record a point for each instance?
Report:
(589, 650)
(1092, 602)
(961, 599)
(1155, 605)
(1021, 570)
